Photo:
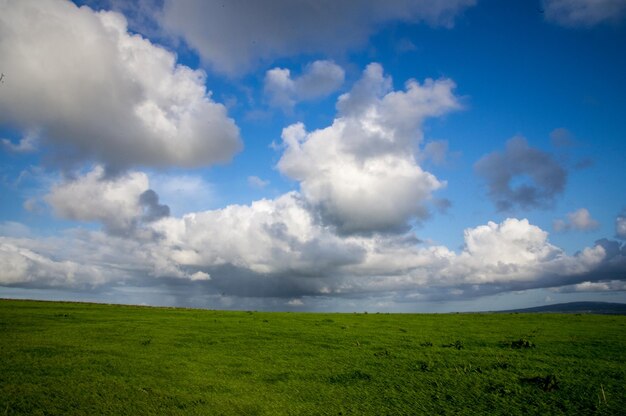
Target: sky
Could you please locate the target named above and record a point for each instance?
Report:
(396, 156)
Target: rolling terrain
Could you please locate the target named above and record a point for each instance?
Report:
(600, 308)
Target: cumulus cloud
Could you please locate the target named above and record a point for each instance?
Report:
(234, 36)
(511, 242)
(98, 92)
(24, 267)
(119, 203)
(279, 248)
(268, 236)
(584, 13)
(578, 220)
(361, 171)
(521, 176)
(276, 248)
(87, 260)
(318, 80)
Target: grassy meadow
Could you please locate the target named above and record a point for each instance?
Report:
(87, 359)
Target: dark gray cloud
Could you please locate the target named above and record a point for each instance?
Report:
(234, 36)
(563, 140)
(152, 210)
(521, 176)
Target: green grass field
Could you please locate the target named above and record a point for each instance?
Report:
(87, 359)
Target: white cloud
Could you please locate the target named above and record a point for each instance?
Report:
(318, 79)
(501, 257)
(27, 144)
(93, 197)
(234, 36)
(578, 220)
(256, 182)
(277, 248)
(200, 276)
(101, 93)
(581, 220)
(26, 267)
(361, 171)
(585, 13)
(119, 202)
(268, 236)
(603, 286)
(511, 242)
(620, 226)
(84, 260)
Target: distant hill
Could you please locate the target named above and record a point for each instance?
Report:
(601, 308)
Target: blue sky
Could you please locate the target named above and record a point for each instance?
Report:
(397, 156)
